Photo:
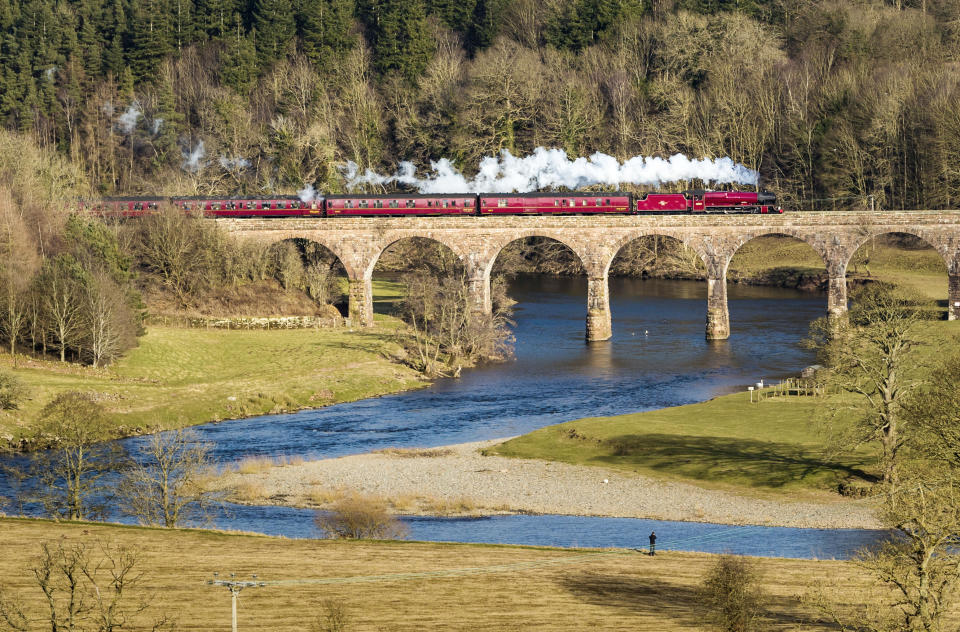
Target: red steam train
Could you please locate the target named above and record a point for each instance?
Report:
(396, 204)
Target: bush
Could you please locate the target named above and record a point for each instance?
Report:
(357, 517)
(731, 591)
(13, 390)
(335, 617)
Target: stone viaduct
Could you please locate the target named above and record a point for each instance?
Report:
(835, 236)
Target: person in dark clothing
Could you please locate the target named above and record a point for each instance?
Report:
(653, 543)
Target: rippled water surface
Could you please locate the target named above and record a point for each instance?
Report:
(658, 357)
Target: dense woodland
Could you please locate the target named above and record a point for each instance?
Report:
(827, 98)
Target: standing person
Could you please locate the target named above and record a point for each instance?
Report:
(653, 542)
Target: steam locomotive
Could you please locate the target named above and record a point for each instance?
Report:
(397, 204)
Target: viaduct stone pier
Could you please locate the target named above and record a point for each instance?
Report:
(835, 236)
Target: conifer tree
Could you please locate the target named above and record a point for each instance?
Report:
(485, 24)
(401, 38)
(238, 64)
(151, 38)
(457, 14)
(114, 30)
(275, 28)
(324, 28)
(215, 17)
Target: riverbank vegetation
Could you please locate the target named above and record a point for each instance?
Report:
(180, 376)
(534, 588)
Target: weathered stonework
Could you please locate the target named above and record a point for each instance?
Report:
(360, 308)
(358, 242)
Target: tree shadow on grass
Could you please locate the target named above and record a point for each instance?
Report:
(664, 599)
(735, 460)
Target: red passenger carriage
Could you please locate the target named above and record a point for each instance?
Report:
(401, 204)
(554, 203)
(250, 207)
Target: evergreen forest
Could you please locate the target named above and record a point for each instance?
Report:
(826, 98)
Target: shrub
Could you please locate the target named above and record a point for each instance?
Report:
(13, 390)
(731, 591)
(359, 517)
(335, 617)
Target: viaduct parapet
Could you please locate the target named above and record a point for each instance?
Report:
(835, 236)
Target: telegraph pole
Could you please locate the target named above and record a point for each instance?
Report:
(235, 586)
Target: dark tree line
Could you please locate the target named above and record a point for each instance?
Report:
(827, 99)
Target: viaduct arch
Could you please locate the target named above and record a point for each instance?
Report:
(477, 241)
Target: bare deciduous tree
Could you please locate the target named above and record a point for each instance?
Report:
(60, 286)
(86, 587)
(69, 475)
(110, 329)
(166, 485)
(731, 592)
(870, 359)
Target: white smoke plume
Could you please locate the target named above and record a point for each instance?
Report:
(157, 123)
(234, 164)
(307, 194)
(193, 160)
(551, 168)
(128, 120)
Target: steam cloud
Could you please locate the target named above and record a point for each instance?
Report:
(234, 164)
(128, 120)
(157, 123)
(193, 160)
(307, 194)
(550, 168)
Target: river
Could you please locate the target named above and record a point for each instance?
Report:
(658, 357)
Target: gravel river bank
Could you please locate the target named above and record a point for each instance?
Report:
(459, 480)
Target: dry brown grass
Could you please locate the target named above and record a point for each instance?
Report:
(415, 453)
(248, 491)
(447, 506)
(254, 464)
(622, 592)
(321, 496)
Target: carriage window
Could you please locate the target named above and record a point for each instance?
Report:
(364, 204)
(565, 203)
(251, 205)
(556, 202)
(608, 202)
(502, 203)
(394, 204)
(583, 202)
(599, 201)
(467, 203)
(348, 204)
(377, 204)
(215, 206)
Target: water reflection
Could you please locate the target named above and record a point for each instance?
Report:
(657, 357)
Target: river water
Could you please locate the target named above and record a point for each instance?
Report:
(658, 357)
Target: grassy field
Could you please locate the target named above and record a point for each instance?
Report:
(921, 271)
(178, 377)
(773, 446)
(582, 592)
